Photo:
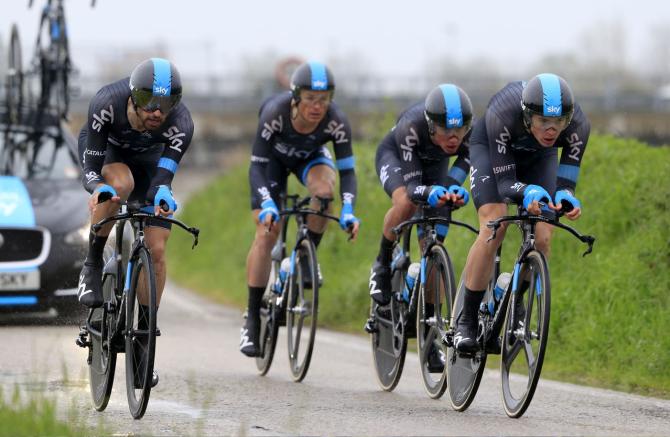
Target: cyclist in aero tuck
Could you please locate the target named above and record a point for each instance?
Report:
(413, 165)
(136, 134)
(514, 154)
(293, 128)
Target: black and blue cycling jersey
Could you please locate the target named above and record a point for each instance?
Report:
(108, 127)
(279, 144)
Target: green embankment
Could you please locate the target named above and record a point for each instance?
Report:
(610, 310)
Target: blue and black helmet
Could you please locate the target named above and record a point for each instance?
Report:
(547, 95)
(313, 76)
(155, 84)
(448, 106)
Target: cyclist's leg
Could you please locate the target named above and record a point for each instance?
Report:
(259, 260)
(156, 238)
(318, 175)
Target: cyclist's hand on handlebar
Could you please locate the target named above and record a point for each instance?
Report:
(163, 200)
(102, 193)
(532, 196)
(269, 213)
(458, 195)
(438, 196)
(566, 202)
(348, 221)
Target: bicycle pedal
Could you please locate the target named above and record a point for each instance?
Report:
(448, 339)
(82, 339)
(158, 332)
(371, 326)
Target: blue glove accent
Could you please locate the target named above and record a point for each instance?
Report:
(163, 194)
(436, 192)
(347, 217)
(460, 192)
(106, 192)
(534, 193)
(269, 207)
(566, 196)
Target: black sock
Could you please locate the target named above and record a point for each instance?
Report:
(316, 238)
(385, 251)
(96, 245)
(471, 302)
(254, 303)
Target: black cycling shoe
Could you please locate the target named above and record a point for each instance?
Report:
(306, 277)
(138, 380)
(436, 360)
(465, 339)
(380, 283)
(138, 383)
(90, 285)
(519, 312)
(249, 336)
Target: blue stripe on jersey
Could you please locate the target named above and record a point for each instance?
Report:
(458, 174)
(346, 163)
(319, 76)
(569, 172)
(162, 77)
(452, 101)
(168, 164)
(551, 88)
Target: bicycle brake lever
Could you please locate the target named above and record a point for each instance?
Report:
(196, 233)
(494, 228)
(588, 240)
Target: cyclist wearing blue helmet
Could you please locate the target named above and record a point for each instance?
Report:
(293, 130)
(412, 162)
(514, 154)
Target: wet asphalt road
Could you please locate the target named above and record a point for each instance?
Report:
(208, 388)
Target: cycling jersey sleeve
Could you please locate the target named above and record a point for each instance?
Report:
(100, 119)
(179, 135)
(340, 131)
(269, 124)
(573, 141)
(502, 158)
(407, 139)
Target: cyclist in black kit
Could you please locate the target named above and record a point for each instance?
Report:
(293, 128)
(412, 162)
(514, 154)
(136, 134)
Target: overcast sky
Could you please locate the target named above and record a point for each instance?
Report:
(390, 37)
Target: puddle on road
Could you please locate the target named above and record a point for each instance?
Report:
(176, 407)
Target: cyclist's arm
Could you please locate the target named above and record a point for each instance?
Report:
(458, 172)
(179, 135)
(573, 141)
(344, 155)
(270, 123)
(407, 140)
(100, 118)
(502, 158)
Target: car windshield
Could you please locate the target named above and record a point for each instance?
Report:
(51, 163)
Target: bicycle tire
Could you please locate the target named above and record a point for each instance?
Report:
(140, 365)
(269, 330)
(302, 303)
(103, 353)
(532, 337)
(14, 85)
(463, 373)
(431, 328)
(389, 342)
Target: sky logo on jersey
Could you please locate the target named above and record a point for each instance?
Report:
(452, 106)
(551, 89)
(162, 77)
(319, 76)
(16, 208)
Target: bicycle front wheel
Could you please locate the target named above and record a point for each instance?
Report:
(140, 332)
(525, 336)
(102, 328)
(433, 320)
(302, 309)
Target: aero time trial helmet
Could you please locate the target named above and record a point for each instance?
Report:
(547, 95)
(313, 76)
(449, 107)
(155, 84)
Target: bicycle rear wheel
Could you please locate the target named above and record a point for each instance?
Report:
(302, 309)
(389, 341)
(433, 319)
(140, 333)
(525, 336)
(102, 328)
(269, 330)
(464, 373)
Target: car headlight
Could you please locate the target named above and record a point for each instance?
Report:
(78, 236)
